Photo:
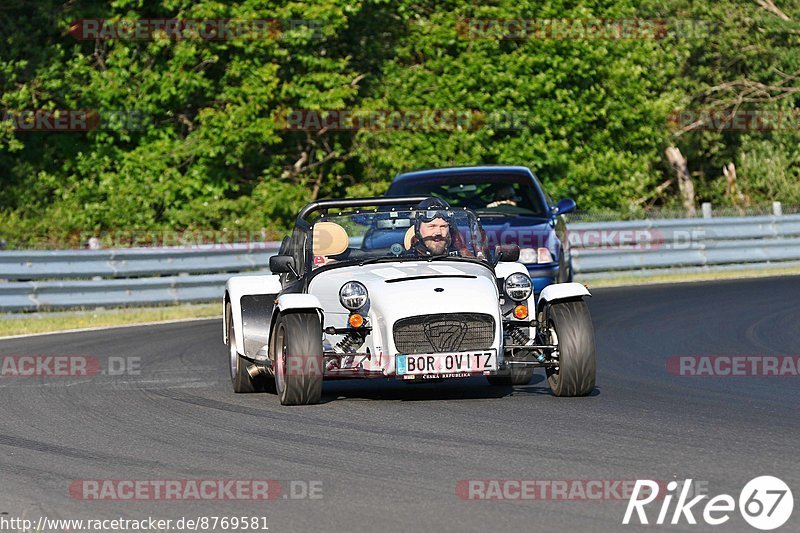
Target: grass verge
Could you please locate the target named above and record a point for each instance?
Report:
(682, 277)
(28, 323)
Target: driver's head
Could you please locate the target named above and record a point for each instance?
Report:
(505, 193)
(432, 226)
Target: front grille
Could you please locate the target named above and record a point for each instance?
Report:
(444, 332)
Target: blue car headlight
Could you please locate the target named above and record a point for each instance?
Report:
(535, 256)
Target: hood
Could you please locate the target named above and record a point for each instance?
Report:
(404, 289)
(400, 283)
(527, 232)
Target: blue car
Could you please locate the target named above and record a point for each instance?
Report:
(513, 209)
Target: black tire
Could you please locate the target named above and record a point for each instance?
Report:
(297, 349)
(514, 375)
(577, 368)
(237, 364)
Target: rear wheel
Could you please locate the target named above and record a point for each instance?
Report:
(297, 348)
(240, 379)
(570, 327)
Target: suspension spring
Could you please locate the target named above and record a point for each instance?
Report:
(519, 336)
(349, 343)
(522, 339)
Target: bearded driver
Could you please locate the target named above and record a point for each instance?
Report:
(432, 232)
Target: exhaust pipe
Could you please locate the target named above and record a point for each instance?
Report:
(254, 370)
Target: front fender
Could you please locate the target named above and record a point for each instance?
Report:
(238, 287)
(294, 302)
(297, 302)
(503, 270)
(561, 291)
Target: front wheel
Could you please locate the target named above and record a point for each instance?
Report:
(570, 327)
(297, 348)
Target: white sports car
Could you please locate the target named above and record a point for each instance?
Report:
(400, 288)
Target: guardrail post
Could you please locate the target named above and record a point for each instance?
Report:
(777, 209)
(706, 209)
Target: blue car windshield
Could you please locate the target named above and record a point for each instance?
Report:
(484, 194)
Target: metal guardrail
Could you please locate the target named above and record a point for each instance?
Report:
(36, 280)
(126, 263)
(658, 244)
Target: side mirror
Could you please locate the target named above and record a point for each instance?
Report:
(508, 253)
(567, 205)
(282, 264)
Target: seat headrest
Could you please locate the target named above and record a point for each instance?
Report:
(329, 238)
(408, 237)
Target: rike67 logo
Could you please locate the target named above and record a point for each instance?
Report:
(765, 503)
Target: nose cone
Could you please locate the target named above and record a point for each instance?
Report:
(433, 295)
(442, 295)
(406, 289)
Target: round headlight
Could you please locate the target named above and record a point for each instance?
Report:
(353, 295)
(518, 287)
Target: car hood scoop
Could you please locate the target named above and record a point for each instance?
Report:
(423, 270)
(431, 276)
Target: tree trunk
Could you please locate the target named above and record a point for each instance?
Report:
(685, 183)
(732, 189)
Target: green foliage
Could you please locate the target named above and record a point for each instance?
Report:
(736, 57)
(207, 146)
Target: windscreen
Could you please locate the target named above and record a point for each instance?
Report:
(396, 235)
(485, 194)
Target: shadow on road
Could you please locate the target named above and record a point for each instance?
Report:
(390, 389)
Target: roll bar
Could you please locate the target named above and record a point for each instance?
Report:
(321, 205)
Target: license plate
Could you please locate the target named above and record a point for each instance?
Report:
(446, 365)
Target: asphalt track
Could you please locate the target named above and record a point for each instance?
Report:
(390, 455)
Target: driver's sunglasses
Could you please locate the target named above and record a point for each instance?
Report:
(430, 214)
